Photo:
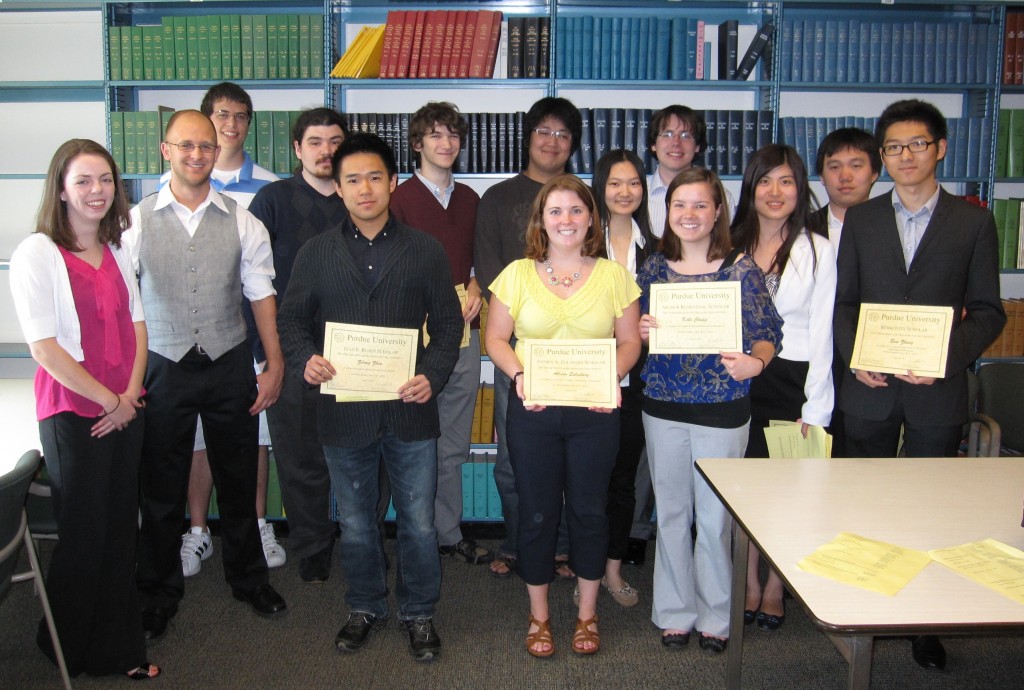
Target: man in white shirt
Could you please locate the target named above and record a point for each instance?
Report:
(676, 135)
(848, 164)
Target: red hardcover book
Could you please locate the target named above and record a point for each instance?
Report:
(465, 52)
(481, 39)
(1009, 47)
(427, 44)
(440, 20)
(392, 37)
(452, 43)
(405, 46)
(1018, 70)
(492, 45)
(417, 44)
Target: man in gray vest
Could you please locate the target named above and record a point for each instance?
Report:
(197, 253)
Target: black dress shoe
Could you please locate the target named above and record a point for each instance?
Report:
(356, 630)
(675, 641)
(928, 652)
(154, 622)
(636, 552)
(712, 644)
(317, 568)
(768, 621)
(424, 644)
(264, 600)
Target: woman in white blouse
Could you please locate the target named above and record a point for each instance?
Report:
(771, 225)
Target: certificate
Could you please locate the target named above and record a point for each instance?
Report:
(696, 318)
(371, 362)
(897, 338)
(460, 291)
(574, 373)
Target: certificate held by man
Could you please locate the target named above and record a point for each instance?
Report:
(372, 361)
(897, 338)
(573, 373)
(696, 318)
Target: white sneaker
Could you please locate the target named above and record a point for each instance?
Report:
(196, 547)
(272, 550)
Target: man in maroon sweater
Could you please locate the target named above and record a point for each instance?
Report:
(433, 202)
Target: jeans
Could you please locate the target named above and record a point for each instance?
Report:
(412, 466)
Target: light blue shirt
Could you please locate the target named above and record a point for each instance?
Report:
(911, 226)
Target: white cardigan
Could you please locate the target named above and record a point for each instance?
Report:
(805, 300)
(42, 293)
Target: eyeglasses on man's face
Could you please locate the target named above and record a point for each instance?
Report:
(557, 134)
(669, 135)
(189, 147)
(919, 146)
(225, 115)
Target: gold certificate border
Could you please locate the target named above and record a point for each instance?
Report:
(655, 345)
(611, 393)
(869, 311)
(346, 394)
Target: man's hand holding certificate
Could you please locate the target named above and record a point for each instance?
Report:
(372, 363)
(696, 318)
(574, 373)
(897, 339)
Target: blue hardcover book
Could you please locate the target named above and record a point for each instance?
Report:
(481, 482)
(749, 118)
(970, 64)
(603, 49)
(906, 71)
(928, 57)
(799, 134)
(652, 48)
(786, 57)
(842, 50)
(831, 125)
(892, 51)
(788, 130)
(797, 73)
(635, 48)
(467, 491)
(596, 38)
(678, 50)
(985, 145)
(830, 70)
(691, 49)
(963, 31)
(818, 65)
(563, 32)
(989, 64)
(864, 53)
(493, 497)
(643, 121)
(765, 121)
(586, 150)
(974, 146)
(917, 47)
(584, 40)
(814, 134)
(734, 143)
(616, 133)
(629, 116)
(599, 132)
(874, 61)
(853, 52)
(711, 151)
(961, 148)
(662, 50)
(617, 53)
(722, 140)
(940, 52)
(951, 52)
(638, 70)
(807, 69)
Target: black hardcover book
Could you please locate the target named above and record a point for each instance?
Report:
(755, 51)
(728, 40)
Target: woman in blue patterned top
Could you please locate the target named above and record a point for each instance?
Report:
(697, 406)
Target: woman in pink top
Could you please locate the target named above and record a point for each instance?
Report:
(78, 303)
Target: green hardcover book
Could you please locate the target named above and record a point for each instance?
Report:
(247, 46)
(265, 139)
(259, 46)
(304, 46)
(236, 46)
(216, 70)
(141, 144)
(126, 53)
(225, 46)
(131, 144)
(250, 139)
(282, 155)
(293, 46)
(1012, 223)
(167, 25)
(1002, 142)
(192, 41)
(165, 118)
(153, 156)
(137, 59)
(203, 47)
(282, 44)
(1015, 152)
(316, 47)
(272, 47)
(114, 50)
(117, 139)
(180, 49)
(148, 60)
(158, 52)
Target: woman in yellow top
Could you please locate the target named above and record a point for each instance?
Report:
(562, 290)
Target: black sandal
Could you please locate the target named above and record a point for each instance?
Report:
(144, 672)
(508, 562)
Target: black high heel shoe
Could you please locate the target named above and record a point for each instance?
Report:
(749, 616)
(768, 621)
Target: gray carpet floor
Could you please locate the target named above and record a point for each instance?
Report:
(217, 642)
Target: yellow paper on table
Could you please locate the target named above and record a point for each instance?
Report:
(991, 563)
(865, 563)
(785, 440)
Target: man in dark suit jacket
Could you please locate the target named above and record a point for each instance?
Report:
(374, 271)
(917, 245)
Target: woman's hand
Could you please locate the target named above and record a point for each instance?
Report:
(118, 417)
(741, 366)
(521, 392)
(647, 322)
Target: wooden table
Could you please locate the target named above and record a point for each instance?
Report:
(789, 508)
(20, 430)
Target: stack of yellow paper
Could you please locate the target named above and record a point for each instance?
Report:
(362, 59)
(785, 440)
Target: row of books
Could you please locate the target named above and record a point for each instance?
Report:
(483, 415)
(1013, 47)
(822, 50)
(216, 47)
(967, 151)
(480, 498)
(1010, 230)
(651, 48)
(1010, 144)
(440, 44)
(1010, 342)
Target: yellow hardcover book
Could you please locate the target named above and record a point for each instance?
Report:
(370, 66)
(343, 69)
(487, 417)
(478, 415)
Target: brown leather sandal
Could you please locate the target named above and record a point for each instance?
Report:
(541, 636)
(584, 634)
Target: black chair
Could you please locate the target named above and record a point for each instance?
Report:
(1002, 398)
(14, 534)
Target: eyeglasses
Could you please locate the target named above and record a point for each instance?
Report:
(559, 134)
(189, 147)
(669, 135)
(224, 116)
(919, 146)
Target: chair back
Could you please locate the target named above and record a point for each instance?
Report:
(13, 490)
(1002, 398)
